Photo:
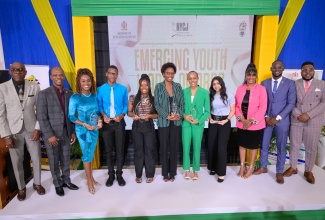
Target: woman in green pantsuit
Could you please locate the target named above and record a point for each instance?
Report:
(196, 111)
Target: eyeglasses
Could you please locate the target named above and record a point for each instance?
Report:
(17, 69)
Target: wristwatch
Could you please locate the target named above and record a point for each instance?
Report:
(278, 118)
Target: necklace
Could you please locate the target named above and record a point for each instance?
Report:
(88, 95)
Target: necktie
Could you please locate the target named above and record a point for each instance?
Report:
(275, 87)
(112, 112)
(21, 93)
(306, 86)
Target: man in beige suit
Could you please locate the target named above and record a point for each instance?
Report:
(307, 120)
(18, 125)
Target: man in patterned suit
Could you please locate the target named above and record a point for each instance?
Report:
(18, 125)
(307, 120)
(58, 131)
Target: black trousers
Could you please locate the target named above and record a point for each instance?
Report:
(169, 138)
(218, 136)
(113, 136)
(144, 138)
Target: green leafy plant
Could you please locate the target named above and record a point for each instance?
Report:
(76, 153)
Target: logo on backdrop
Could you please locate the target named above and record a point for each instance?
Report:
(181, 29)
(124, 26)
(242, 28)
(124, 33)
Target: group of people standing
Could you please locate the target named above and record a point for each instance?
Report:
(277, 105)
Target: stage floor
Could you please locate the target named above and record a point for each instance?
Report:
(256, 194)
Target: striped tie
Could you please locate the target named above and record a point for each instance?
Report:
(21, 93)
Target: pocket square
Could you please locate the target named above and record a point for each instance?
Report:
(30, 95)
(317, 90)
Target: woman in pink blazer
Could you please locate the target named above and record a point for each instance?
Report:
(251, 104)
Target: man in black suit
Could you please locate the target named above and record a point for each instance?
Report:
(58, 131)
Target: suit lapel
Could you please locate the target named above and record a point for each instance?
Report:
(26, 92)
(269, 88)
(55, 96)
(281, 86)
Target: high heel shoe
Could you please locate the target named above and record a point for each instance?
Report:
(195, 176)
(249, 172)
(187, 175)
(242, 170)
(92, 191)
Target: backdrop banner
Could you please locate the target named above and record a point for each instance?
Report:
(2, 58)
(38, 74)
(209, 45)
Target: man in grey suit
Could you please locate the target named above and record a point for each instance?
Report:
(281, 96)
(307, 120)
(58, 132)
(18, 125)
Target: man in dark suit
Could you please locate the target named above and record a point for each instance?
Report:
(58, 131)
(18, 125)
(281, 95)
(307, 120)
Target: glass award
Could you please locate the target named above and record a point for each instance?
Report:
(143, 108)
(93, 120)
(174, 109)
(193, 113)
(110, 112)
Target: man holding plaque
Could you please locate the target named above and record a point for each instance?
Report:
(113, 105)
(18, 125)
(58, 131)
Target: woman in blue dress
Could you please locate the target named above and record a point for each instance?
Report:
(83, 111)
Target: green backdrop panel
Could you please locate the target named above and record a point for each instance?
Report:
(174, 7)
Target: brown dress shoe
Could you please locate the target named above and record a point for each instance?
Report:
(279, 178)
(21, 194)
(39, 188)
(260, 171)
(290, 171)
(309, 177)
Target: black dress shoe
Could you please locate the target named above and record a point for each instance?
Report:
(59, 191)
(70, 186)
(220, 180)
(212, 172)
(110, 180)
(120, 181)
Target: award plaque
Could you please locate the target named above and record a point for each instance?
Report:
(193, 113)
(143, 108)
(93, 120)
(174, 109)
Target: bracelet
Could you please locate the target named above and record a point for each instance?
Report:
(83, 124)
(239, 118)
(252, 120)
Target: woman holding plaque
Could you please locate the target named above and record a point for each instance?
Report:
(83, 111)
(169, 103)
(251, 104)
(141, 109)
(196, 111)
(222, 110)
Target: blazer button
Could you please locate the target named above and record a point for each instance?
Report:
(21, 119)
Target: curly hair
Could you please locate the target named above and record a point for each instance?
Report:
(168, 65)
(87, 72)
(223, 91)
